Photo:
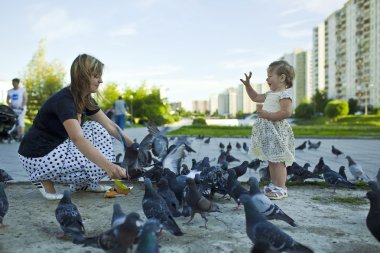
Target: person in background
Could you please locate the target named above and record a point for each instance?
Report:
(16, 99)
(272, 136)
(120, 108)
(60, 148)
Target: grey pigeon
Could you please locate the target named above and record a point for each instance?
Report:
(221, 145)
(230, 158)
(378, 176)
(335, 179)
(263, 232)
(342, 172)
(4, 205)
(160, 142)
(302, 146)
(185, 169)
(4, 176)
(172, 160)
(148, 238)
(265, 206)
(118, 216)
(301, 173)
(229, 147)
(241, 169)
(168, 195)
(356, 169)
(238, 145)
(318, 169)
(69, 218)
(234, 188)
(154, 206)
(198, 203)
(245, 147)
(336, 151)
(176, 183)
(118, 239)
(314, 146)
(207, 141)
(373, 221)
(254, 164)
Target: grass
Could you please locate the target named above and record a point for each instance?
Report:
(344, 200)
(349, 126)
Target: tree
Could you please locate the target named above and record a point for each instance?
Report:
(320, 100)
(42, 79)
(353, 105)
(304, 111)
(109, 94)
(336, 108)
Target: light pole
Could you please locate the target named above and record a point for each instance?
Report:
(131, 97)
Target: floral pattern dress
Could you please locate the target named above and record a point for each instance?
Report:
(273, 140)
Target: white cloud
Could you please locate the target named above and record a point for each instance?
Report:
(291, 11)
(126, 30)
(55, 24)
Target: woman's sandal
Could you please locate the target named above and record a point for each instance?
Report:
(277, 193)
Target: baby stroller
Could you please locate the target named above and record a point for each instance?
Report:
(8, 124)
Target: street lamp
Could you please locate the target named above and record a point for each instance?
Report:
(131, 97)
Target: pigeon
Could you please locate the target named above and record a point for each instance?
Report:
(117, 159)
(175, 184)
(254, 164)
(168, 195)
(160, 142)
(264, 174)
(234, 187)
(198, 203)
(245, 147)
(314, 146)
(378, 176)
(221, 145)
(238, 145)
(336, 151)
(335, 179)
(69, 218)
(342, 172)
(4, 176)
(301, 173)
(154, 173)
(318, 169)
(356, 169)
(118, 239)
(118, 216)
(4, 205)
(263, 232)
(229, 147)
(241, 169)
(230, 158)
(302, 146)
(148, 238)
(185, 170)
(373, 221)
(154, 206)
(265, 206)
(207, 141)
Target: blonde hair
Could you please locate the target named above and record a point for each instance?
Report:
(82, 69)
(283, 68)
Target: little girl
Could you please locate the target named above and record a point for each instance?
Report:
(272, 137)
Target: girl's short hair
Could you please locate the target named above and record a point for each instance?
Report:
(82, 69)
(283, 68)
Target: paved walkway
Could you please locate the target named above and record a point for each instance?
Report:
(363, 151)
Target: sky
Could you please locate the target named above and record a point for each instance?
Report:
(190, 49)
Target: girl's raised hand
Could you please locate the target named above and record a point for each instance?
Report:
(247, 78)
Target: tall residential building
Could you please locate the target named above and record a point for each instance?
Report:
(200, 106)
(300, 60)
(244, 103)
(352, 53)
(213, 104)
(318, 59)
(223, 103)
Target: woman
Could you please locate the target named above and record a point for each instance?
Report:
(58, 148)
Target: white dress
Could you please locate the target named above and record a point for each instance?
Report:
(273, 140)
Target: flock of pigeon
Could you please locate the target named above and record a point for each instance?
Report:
(172, 189)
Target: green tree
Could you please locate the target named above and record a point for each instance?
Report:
(353, 105)
(336, 108)
(320, 100)
(42, 79)
(304, 111)
(109, 94)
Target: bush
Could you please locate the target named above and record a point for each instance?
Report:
(304, 111)
(199, 121)
(336, 108)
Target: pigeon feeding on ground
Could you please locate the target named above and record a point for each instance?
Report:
(4, 205)
(356, 169)
(336, 151)
(148, 238)
(118, 216)
(229, 147)
(168, 195)
(335, 179)
(238, 145)
(314, 146)
(373, 221)
(263, 232)
(198, 203)
(207, 141)
(301, 173)
(342, 172)
(117, 239)
(154, 207)
(221, 145)
(302, 146)
(241, 169)
(378, 176)
(245, 147)
(265, 206)
(234, 188)
(318, 169)
(69, 218)
(4, 176)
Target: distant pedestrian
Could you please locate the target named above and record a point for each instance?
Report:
(16, 99)
(272, 136)
(120, 108)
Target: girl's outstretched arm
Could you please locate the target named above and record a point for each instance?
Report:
(253, 95)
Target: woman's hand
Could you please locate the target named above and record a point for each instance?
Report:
(247, 79)
(115, 171)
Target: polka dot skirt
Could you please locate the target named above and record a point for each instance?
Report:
(67, 165)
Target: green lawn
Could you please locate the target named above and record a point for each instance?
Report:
(350, 126)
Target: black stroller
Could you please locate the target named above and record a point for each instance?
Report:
(8, 124)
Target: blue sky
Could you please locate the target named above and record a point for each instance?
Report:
(190, 49)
